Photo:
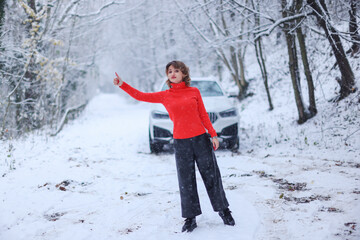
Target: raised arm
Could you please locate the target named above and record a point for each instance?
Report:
(157, 97)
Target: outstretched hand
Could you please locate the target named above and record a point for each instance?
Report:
(118, 81)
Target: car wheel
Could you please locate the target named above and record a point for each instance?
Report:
(234, 145)
(155, 147)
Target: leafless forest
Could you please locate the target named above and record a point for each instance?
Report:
(54, 55)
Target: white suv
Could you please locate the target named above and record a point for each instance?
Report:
(223, 115)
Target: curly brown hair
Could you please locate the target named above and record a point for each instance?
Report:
(183, 68)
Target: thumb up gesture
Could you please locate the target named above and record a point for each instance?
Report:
(118, 81)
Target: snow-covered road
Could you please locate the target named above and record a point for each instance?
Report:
(98, 180)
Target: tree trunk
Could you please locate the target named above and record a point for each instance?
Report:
(353, 29)
(31, 4)
(311, 90)
(347, 80)
(235, 68)
(241, 56)
(236, 62)
(244, 84)
(309, 79)
(62, 97)
(295, 75)
(261, 60)
(234, 73)
(293, 64)
(2, 14)
(31, 94)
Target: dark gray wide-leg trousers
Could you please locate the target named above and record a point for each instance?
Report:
(188, 151)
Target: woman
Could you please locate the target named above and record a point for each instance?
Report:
(187, 111)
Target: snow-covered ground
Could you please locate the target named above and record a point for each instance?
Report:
(97, 180)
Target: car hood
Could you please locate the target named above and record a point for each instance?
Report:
(212, 104)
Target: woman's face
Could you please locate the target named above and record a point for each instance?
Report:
(175, 75)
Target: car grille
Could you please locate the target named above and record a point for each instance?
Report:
(161, 133)
(213, 117)
(231, 130)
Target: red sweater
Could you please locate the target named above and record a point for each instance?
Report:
(184, 105)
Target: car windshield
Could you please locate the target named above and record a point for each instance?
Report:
(207, 88)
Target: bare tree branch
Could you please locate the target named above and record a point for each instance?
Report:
(267, 32)
(260, 14)
(98, 12)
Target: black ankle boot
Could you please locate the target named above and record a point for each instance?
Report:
(189, 225)
(226, 217)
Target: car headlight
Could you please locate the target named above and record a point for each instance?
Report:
(159, 115)
(228, 113)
